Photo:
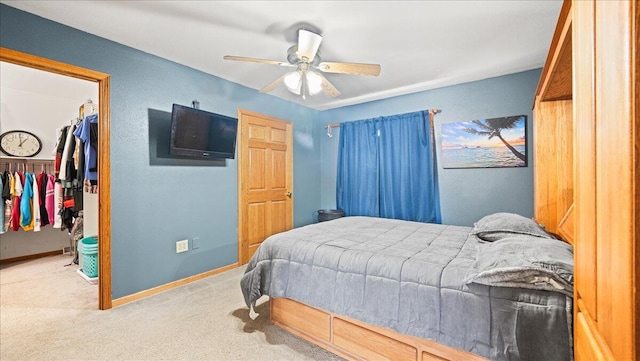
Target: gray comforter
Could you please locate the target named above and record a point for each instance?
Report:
(409, 277)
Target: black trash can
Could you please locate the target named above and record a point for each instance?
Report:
(329, 214)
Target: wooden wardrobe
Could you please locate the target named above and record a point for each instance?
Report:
(587, 168)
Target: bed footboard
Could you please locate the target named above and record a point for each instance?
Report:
(356, 340)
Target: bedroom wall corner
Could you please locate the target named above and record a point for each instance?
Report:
(466, 195)
(306, 168)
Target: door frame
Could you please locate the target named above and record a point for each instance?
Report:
(104, 160)
(242, 139)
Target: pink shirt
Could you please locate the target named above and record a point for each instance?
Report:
(49, 201)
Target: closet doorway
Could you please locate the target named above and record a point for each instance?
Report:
(104, 166)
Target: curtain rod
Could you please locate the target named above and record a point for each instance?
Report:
(432, 111)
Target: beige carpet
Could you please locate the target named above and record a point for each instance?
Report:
(48, 312)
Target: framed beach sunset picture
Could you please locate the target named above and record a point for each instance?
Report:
(485, 143)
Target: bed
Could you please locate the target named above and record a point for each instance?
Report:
(374, 288)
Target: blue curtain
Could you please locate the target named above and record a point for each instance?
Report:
(387, 168)
(408, 173)
(357, 185)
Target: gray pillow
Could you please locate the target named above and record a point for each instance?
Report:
(524, 262)
(497, 226)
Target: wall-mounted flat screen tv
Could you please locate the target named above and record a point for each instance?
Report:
(200, 134)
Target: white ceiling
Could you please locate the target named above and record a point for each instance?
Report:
(419, 44)
(25, 79)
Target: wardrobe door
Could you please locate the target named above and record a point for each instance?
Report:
(584, 182)
(605, 181)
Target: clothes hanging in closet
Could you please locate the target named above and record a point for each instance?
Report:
(31, 201)
(69, 200)
(21, 201)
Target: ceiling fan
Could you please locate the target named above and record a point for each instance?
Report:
(307, 79)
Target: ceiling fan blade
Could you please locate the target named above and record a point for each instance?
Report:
(327, 88)
(308, 44)
(349, 68)
(257, 60)
(273, 85)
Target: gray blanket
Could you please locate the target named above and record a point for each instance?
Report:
(409, 277)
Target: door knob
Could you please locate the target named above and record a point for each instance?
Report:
(288, 194)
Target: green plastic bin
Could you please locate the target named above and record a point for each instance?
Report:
(90, 256)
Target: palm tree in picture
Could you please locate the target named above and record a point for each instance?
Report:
(492, 128)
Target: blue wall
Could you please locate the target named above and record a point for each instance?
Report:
(156, 200)
(465, 194)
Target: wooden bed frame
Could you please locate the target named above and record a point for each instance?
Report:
(357, 340)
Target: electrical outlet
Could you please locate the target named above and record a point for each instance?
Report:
(195, 243)
(182, 246)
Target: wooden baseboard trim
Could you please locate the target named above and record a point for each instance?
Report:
(167, 286)
(31, 256)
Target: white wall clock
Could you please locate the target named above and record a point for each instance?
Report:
(20, 143)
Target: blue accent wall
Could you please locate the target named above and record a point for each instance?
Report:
(465, 194)
(157, 200)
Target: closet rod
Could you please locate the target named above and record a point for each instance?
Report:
(24, 159)
(22, 164)
(432, 111)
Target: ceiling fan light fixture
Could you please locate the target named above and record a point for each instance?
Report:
(308, 44)
(314, 82)
(293, 82)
